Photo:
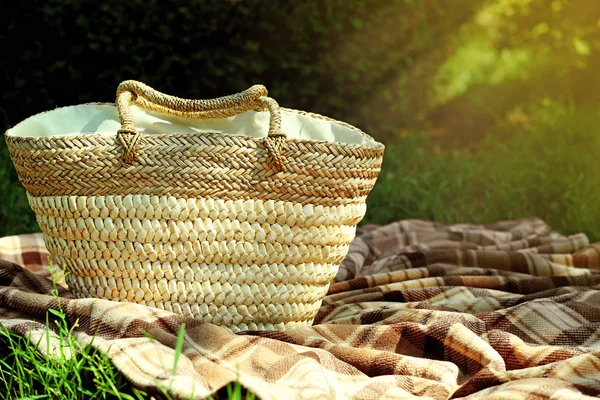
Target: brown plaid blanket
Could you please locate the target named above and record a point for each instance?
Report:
(509, 310)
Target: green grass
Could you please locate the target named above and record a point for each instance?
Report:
(27, 373)
(70, 371)
(546, 168)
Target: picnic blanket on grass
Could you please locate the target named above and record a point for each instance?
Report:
(508, 310)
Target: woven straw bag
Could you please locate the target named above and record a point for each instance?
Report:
(201, 207)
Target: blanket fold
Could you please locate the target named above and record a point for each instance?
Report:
(419, 309)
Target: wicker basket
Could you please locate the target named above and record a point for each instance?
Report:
(194, 209)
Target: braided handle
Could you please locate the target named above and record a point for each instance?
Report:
(255, 98)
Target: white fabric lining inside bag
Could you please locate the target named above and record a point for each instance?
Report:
(103, 119)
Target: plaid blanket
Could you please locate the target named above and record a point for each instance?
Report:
(508, 310)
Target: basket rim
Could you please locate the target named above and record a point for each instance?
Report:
(374, 145)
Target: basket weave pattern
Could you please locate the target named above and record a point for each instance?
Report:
(239, 231)
(212, 166)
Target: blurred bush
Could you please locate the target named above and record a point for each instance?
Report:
(338, 57)
(334, 57)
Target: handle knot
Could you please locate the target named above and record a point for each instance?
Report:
(129, 139)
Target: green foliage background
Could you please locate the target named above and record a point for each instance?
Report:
(488, 107)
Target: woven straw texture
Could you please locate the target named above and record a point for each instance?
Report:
(239, 231)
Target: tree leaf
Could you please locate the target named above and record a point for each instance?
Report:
(581, 47)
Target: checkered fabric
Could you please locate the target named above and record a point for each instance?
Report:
(508, 310)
